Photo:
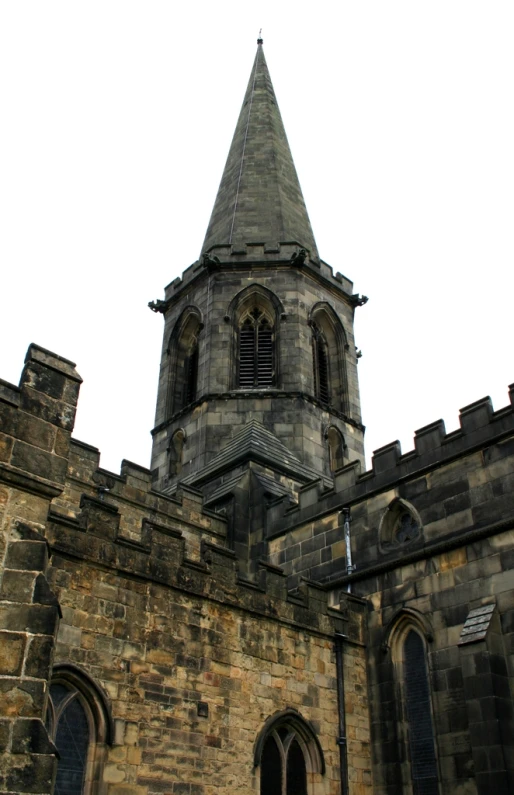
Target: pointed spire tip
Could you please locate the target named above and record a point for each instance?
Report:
(260, 40)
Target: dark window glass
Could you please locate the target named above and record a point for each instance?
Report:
(320, 365)
(192, 375)
(59, 693)
(271, 768)
(407, 529)
(421, 734)
(72, 742)
(296, 772)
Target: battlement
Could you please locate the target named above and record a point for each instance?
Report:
(480, 426)
(256, 255)
(161, 556)
(36, 420)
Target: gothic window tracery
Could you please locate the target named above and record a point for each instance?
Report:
(183, 354)
(69, 729)
(400, 525)
(329, 346)
(256, 350)
(79, 726)
(283, 770)
(410, 703)
(289, 755)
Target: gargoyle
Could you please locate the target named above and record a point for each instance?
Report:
(210, 261)
(358, 300)
(158, 305)
(299, 257)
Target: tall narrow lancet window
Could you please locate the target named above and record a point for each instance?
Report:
(256, 350)
(184, 361)
(329, 347)
(79, 724)
(320, 364)
(191, 374)
(70, 731)
(336, 448)
(419, 717)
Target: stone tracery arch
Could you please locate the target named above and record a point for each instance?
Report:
(329, 346)
(183, 353)
(80, 724)
(289, 754)
(254, 314)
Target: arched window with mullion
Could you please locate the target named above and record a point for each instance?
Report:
(320, 363)
(283, 769)
(79, 723)
(256, 351)
(289, 756)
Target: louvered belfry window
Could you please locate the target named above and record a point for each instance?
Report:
(320, 365)
(256, 354)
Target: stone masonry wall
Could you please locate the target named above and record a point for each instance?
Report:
(36, 420)
(286, 409)
(458, 488)
(194, 660)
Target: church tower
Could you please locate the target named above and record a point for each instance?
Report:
(258, 358)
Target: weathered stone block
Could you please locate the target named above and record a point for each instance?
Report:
(28, 555)
(12, 647)
(39, 656)
(36, 461)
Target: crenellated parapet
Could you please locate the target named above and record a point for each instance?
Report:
(255, 256)
(452, 489)
(36, 421)
(480, 426)
(162, 556)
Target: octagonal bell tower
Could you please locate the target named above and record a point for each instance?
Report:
(258, 351)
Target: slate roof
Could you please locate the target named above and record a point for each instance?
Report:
(254, 442)
(271, 487)
(259, 199)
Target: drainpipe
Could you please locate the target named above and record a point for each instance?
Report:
(347, 537)
(341, 740)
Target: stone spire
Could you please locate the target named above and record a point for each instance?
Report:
(259, 199)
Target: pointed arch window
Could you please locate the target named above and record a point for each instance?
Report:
(71, 735)
(191, 373)
(419, 716)
(329, 347)
(336, 448)
(256, 350)
(79, 725)
(400, 525)
(289, 755)
(183, 354)
(283, 769)
(413, 728)
(320, 364)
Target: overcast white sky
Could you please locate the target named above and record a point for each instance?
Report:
(116, 122)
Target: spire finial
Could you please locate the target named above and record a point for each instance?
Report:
(259, 40)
